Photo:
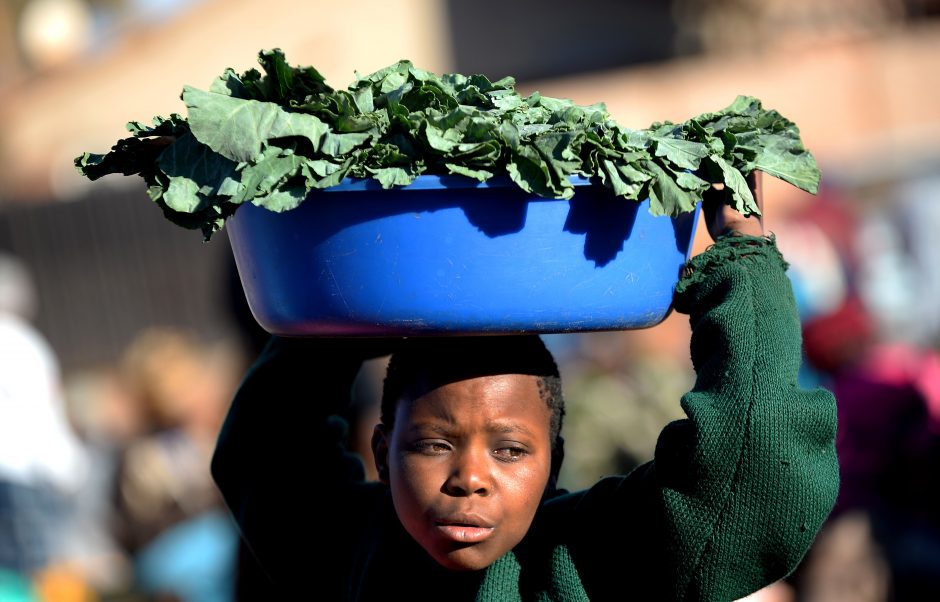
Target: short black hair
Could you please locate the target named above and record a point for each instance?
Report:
(450, 359)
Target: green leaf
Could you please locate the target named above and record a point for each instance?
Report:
(174, 126)
(528, 169)
(337, 145)
(230, 84)
(279, 75)
(272, 135)
(505, 100)
(195, 174)
(477, 174)
(283, 83)
(692, 182)
(682, 153)
(755, 138)
(273, 169)
(238, 129)
(364, 100)
(666, 196)
(283, 199)
(509, 133)
(477, 153)
(740, 191)
(786, 159)
(392, 176)
(129, 156)
(321, 173)
(561, 154)
(444, 140)
(624, 180)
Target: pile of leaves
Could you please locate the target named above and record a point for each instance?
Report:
(272, 137)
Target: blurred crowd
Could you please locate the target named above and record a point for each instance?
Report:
(105, 491)
(871, 335)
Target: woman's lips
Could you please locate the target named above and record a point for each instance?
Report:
(465, 534)
(464, 528)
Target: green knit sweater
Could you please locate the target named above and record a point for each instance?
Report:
(730, 503)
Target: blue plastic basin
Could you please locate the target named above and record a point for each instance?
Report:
(448, 255)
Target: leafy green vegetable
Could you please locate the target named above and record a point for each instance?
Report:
(270, 138)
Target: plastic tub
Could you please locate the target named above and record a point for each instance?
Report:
(449, 255)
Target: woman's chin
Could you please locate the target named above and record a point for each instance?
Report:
(465, 559)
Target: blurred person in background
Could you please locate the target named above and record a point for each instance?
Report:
(622, 390)
(170, 518)
(42, 463)
(882, 541)
(900, 281)
(107, 418)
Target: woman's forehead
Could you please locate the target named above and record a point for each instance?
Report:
(496, 400)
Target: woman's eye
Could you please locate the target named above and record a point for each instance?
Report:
(432, 447)
(510, 454)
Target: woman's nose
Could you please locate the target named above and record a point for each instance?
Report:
(469, 475)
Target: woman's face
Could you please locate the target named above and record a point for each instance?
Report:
(467, 463)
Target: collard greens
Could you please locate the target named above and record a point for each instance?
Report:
(270, 138)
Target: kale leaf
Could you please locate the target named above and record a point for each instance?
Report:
(270, 137)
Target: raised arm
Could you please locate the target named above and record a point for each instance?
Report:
(749, 478)
(285, 432)
(737, 491)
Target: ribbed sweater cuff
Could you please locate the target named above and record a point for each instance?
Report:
(749, 250)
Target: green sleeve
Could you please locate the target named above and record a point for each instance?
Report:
(281, 461)
(737, 491)
(749, 478)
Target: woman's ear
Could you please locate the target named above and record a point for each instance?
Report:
(380, 445)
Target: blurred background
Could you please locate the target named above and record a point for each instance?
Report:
(122, 337)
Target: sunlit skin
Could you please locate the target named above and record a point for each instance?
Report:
(467, 464)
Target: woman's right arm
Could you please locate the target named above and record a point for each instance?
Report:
(284, 436)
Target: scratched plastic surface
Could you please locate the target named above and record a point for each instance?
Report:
(448, 255)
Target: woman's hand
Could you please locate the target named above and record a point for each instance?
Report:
(721, 218)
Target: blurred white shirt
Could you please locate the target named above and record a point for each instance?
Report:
(37, 445)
